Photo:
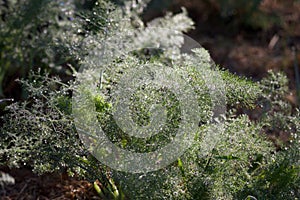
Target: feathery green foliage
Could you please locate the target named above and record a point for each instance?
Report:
(40, 132)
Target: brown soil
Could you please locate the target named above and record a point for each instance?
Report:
(246, 50)
(29, 186)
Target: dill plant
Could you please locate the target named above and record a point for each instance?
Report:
(40, 131)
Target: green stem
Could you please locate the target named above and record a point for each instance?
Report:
(98, 190)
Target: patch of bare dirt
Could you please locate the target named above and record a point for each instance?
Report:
(54, 186)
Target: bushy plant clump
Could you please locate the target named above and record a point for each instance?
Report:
(40, 132)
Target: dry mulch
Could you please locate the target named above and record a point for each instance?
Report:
(52, 186)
